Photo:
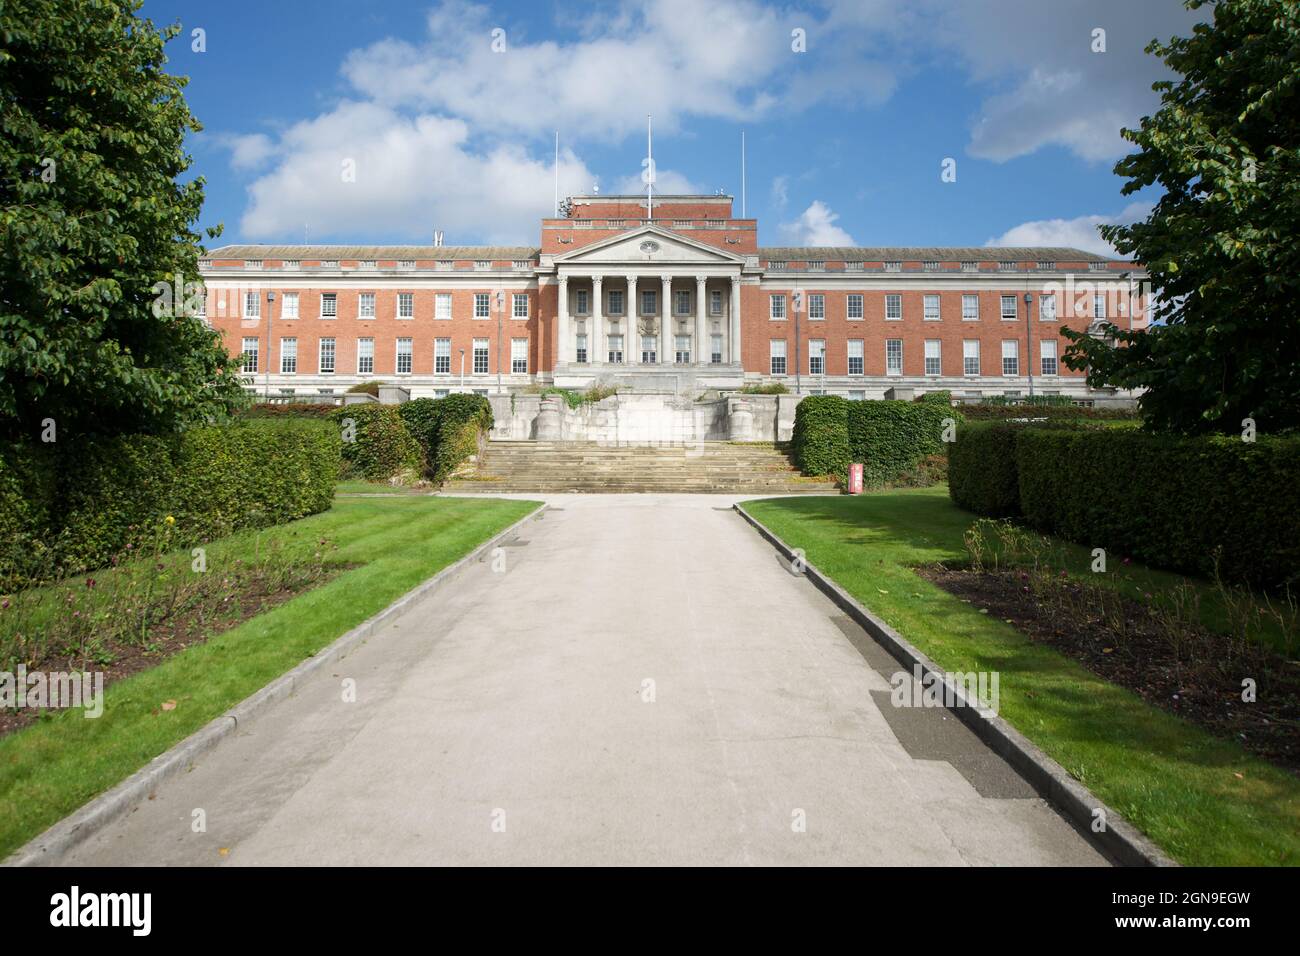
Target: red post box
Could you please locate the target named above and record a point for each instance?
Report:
(855, 479)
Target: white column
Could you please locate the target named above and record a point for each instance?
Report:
(701, 323)
(631, 354)
(666, 321)
(733, 338)
(597, 331)
(562, 350)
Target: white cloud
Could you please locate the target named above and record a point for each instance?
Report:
(666, 181)
(248, 151)
(781, 192)
(816, 227)
(1078, 233)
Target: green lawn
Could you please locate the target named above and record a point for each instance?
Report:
(376, 488)
(53, 767)
(1204, 800)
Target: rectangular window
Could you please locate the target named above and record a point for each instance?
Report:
(482, 305)
(854, 307)
(777, 307)
(406, 305)
(1048, 353)
(931, 308)
(442, 306)
(1008, 308)
(816, 307)
(893, 307)
(581, 302)
(682, 350)
(615, 302)
(857, 395)
(615, 346)
(1098, 305)
(519, 355)
(856, 357)
(1010, 357)
(252, 305)
(816, 356)
(893, 356)
(365, 356)
(519, 305)
(366, 305)
(648, 302)
(250, 354)
(649, 349)
(970, 357)
(1047, 308)
(289, 308)
(442, 356)
(682, 298)
(327, 356)
(288, 356)
(580, 350)
(933, 357)
(715, 349)
(970, 308)
(776, 351)
(480, 356)
(329, 305)
(404, 353)
(715, 302)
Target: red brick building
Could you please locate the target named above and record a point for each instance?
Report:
(679, 297)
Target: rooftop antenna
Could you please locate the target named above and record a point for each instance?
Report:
(595, 189)
(557, 174)
(742, 174)
(437, 237)
(650, 168)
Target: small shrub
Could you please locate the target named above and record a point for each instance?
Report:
(771, 388)
(447, 429)
(365, 388)
(891, 438)
(381, 448)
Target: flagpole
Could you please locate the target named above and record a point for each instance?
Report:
(650, 179)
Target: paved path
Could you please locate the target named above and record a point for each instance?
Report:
(515, 697)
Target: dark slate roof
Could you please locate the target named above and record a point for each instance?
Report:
(928, 253)
(373, 252)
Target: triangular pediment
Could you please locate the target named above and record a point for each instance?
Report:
(649, 244)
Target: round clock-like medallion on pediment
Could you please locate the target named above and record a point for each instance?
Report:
(649, 246)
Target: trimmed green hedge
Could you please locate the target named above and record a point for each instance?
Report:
(447, 429)
(820, 441)
(375, 443)
(890, 438)
(1170, 502)
(71, 507)
(289, 410)
(998, 412)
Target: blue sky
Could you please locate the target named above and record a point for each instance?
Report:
(340, 121)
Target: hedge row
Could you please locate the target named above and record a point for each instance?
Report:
(1171, 502)
(71, 507)
(889, 438)
(998, 412)
(376, 444)
(447, 429)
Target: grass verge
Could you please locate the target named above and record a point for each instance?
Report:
(53, 767)
(1205, 801)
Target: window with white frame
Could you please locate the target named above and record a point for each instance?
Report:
(405, 351)
(853, 308)
(442, 356)
(649, 349)
(1010, 357)
(289, 306)
(816, 307)
(329, 305)
(1047, 307)
(1048, 354)
(933, 357)
(893, 307)
(519, 355)
(480, 356)
(202, 296)
(1098, 305)
(252, 305)
(715, 349)
(326, 356)
(857, 395)
(366, 305)
(931, 305)
(482, 305)
(251, 345)
(580, 349)
(365, 356)
(893, 356)
(776, 353)
(970, 357)
(715, 302)
(776, 307)
(581, 302)
(857, 353)
(682, 302)
(519, 305)
(649, 302)
(288, 356)
(615, 299)
(615, 346)
(816, 356)
(1008, 308)
(970, 308)
(406, 305)
(442, 305)
(682, 349)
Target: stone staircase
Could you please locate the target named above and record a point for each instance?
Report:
(706, 467)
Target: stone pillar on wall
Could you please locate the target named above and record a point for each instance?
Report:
(733, 339)
(701, 323)
(631, 354)
(596, 333)
(740, 420)
(666, 321)
(563, 349)
(550, 418)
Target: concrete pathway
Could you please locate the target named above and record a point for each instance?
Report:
(644, 682)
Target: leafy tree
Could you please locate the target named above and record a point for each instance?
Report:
(92, 215)
(1222, 246)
